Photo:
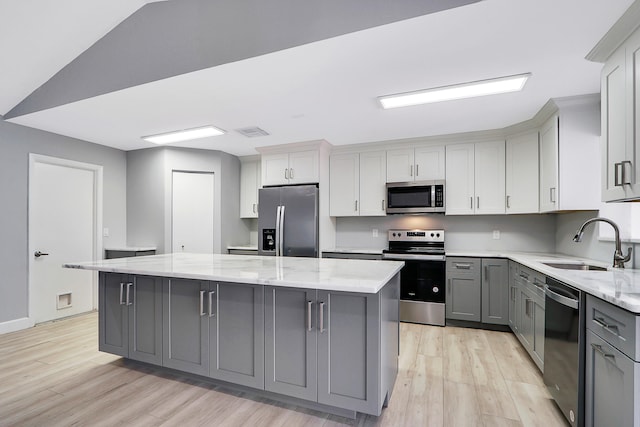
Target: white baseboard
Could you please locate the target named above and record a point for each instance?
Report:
(15, 325)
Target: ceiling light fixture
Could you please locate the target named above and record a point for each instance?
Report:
(458, 91)
(184, 135)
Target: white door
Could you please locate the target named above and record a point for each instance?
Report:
(400, 165)
(489, 177)
(63, 227)
(304, 167)
(192, 212)
(549, 166)
(523, 193)
(344, 185)
(373, 177)
(429, 163)
(460, 179)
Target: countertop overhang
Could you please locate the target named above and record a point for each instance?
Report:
(342, 275)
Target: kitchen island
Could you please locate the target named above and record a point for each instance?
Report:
(321, 333)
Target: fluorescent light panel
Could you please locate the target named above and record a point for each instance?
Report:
(459, 91)
(184, 135)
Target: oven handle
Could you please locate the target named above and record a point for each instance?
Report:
(402, 257)
(569, 302)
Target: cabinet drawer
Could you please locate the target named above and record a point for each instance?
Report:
(532, 281)
(463, 266)
(615, 325)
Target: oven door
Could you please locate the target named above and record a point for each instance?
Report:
(423, 281)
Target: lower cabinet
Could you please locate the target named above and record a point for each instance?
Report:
(513, 297)
(130, 316)
(215, 329)
(326, 346)
(478, 290)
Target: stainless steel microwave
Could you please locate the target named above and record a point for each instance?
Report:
(415, 197)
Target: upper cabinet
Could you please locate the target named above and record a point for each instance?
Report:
(416, 164)
(357, 184)
(522, 187)
(301, 167)
(475, 178)
(249, 186)
(569, 155)
(620, 115)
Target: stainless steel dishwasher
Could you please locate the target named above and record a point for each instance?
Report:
(564, 349)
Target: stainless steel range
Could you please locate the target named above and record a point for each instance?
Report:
(422, 279)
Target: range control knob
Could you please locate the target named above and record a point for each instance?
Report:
(432, 234)
(435, 289)
(438, 235)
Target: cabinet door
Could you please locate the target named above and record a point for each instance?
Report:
(460, 179)
(463, 299)
(236, 333)
(344, 185)
(186, 326)
(526, 319)
(495, 291)
(538, 334)
(429, 163)
(145, 320)
(348, 350)
(610, 376)
(549, 166)
(113, 314)
(613, 126)
(400, 164)
(249, 184)
(489, 174)
(373, 171)
(522, 173)
(304, 167)
(275, 169)
(633, 113)
(291, 342)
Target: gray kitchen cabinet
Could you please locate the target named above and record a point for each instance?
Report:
(612, 365)
(130, 316)
(186, 326)
(513, 297)
(291, 342)
(215, 329)
(463, 289)
(495, 291)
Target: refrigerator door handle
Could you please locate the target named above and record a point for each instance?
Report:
(278, 231)
(281, 230)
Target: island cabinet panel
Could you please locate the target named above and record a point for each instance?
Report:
(186, 326)
(348, 350)
(236, 333)
(130, 312)
(291, 342)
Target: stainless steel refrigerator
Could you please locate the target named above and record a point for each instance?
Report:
(288, 221)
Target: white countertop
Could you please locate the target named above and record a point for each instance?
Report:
(344, 275)
(354, 251)
(618, 286)
(243, 248)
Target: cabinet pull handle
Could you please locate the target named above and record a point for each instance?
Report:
(202, 313)
(624, 180)
(616, 174)
(471, 202)
(478, 203)
(486, 273)
(121, 293)
(286, 174)
(309, 309)
(463, 266)
(552, 194)
(599, 349)
(129, 285)
(356, 206)
(322, 317)
(609, 327)
(512, 293)
(254, 208)
(211, 313)
(291, 173)
(417, 169)
(508, 199)
(526, 307)
(382, 205)
(411, 170)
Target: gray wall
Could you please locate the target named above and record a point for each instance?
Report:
(16, 142)
(530, 233)
(149, 195)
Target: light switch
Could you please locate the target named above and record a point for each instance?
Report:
(496, 234)
(374, 232)
(105, 232)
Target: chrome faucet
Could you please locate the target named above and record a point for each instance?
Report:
(618, 258)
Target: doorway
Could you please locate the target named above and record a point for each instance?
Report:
(65, 206)
(192, 205)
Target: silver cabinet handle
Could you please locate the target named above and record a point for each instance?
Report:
(537, 283)
(291, 173)
(486, 273)
(462, 266)
(202, 313)
(508, 198)
(512, 293)
(609, 327)
(309, 310)
(121, 293)
(616, 174)
(254, 208)
(471, 202)
(449, 286)
(478, 203)
(624, 180)
(211, 313)
(321, 317)
(417, 169)
(526, 307)
(411, 170)
(382, 205)
(599, 349)
(552, 194)
(129, 285)
(356, 209)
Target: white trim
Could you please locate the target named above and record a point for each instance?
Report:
(97, 220)
(15, 325)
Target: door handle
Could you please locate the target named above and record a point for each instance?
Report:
(211, 313)
(202, 313)
(616, 174)
(121, 293)
(309, 309)
(322, 317)
(129, 285)
(417, 169)
(599, 349)
(624, 180)
(286, 174)
(38, 254)
(291, 173)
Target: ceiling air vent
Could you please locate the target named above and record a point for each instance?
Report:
(252, 132)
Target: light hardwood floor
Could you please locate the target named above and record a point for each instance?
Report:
(54, 375)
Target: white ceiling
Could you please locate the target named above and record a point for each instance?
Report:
(323, 90)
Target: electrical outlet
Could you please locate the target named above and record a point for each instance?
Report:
(374, 232)
(496, 234)
(105, 232)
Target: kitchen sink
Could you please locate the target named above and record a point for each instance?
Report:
(575, 266)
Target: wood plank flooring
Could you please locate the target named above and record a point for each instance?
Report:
(54, 375)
